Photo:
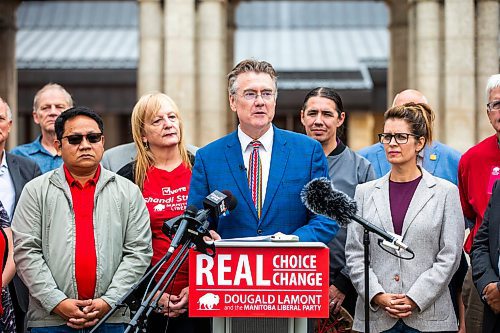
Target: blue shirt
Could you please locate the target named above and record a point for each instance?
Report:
(35, 151)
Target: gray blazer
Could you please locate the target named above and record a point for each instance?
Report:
(434, 229)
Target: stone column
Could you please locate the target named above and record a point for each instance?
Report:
(487, 32)
(232, 119)
(363, 124)
(212, 62)
(150, 70)
(179, 78)
(428, 54)
(8, 70)
(412, 49)
(114, 129)
(397, 74)
(459, 76)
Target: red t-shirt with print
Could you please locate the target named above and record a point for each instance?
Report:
(166, 196)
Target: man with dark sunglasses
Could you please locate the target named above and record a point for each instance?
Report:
(81, 233)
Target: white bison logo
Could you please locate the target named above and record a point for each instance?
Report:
(159, 207)
(208, 301)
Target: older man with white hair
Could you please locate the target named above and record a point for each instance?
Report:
(49, 102)
(15, 172)
(478, 171)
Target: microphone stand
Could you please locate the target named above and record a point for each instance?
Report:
(366, 251)
(139, 319)
(150, 303)
(366, 248)
(130, 299)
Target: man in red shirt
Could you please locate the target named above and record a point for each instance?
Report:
(81, 234)
(478, 170)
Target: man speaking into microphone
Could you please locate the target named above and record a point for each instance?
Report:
(263, 166)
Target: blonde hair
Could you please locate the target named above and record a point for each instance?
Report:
(146, 108)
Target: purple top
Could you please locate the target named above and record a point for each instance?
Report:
(400, 195)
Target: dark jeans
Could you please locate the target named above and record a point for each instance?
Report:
(105, 328)
(401, 327)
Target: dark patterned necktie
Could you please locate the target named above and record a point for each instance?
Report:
(255, 176)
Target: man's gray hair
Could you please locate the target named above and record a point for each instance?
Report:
(250, 65)
(493, 82)
(50, 86)
(7, 107)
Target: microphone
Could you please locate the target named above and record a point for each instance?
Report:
(190, 213)
(321, 198)
(219, 203)
(193, 224)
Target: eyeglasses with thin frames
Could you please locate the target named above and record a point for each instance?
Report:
(252, 95)
(401, 138)
(76, 139)
(493, 106)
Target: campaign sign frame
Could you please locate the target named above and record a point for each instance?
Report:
(260, 279)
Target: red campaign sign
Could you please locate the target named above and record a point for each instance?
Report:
(260, 281)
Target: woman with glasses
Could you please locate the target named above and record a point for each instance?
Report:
(162, 170)
(407, 294)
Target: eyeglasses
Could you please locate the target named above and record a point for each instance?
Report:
(76, 139)
(252, 95)
(493, 106)
(400, 138)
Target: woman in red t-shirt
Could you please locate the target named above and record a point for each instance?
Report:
(162, 169)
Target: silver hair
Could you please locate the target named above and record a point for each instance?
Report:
(493, 82)
(55, 86)
(7, 107)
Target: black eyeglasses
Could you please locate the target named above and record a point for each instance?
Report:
(400, 138)
(76, 139)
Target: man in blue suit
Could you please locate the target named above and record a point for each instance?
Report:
(281, 163)
(439, 159)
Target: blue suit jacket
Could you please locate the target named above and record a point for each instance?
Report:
(296, 159)
(440, 160)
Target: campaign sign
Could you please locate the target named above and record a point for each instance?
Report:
(260, 281)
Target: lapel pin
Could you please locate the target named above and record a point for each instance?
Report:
(433, 157)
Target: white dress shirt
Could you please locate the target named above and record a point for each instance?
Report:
(7, 190)
(265, 151)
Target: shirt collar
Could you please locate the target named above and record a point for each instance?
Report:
(339, 149)
(37, 146)
(73, 182)
(3, 166)
(4, 160)
(266, 140)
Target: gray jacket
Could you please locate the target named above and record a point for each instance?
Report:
(44, 241)
(434, 229)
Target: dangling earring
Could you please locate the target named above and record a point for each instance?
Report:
(146, 145)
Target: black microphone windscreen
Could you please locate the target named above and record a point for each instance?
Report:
(232, 202)
(321, 198)
(191, 210)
